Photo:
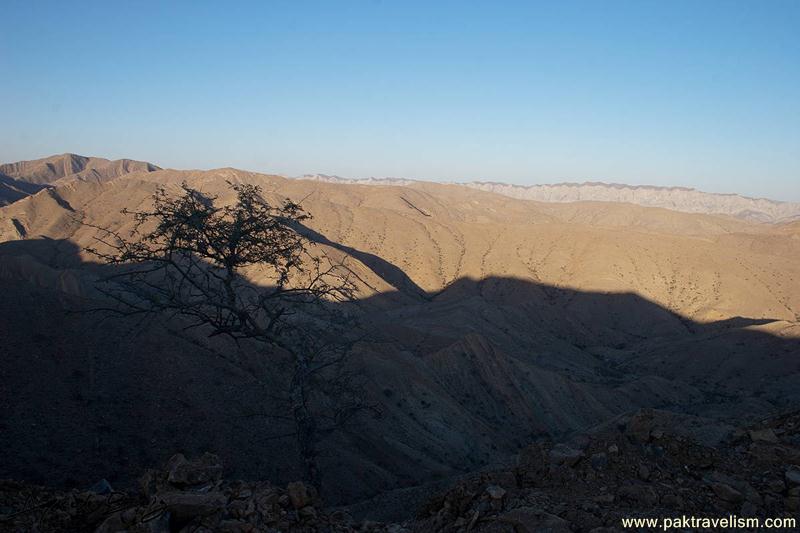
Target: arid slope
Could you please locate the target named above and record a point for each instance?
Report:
(495, 321)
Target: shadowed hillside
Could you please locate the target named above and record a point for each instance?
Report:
(485, 365)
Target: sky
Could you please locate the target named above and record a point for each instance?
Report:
(694, 93)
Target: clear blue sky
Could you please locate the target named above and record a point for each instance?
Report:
(696, 93)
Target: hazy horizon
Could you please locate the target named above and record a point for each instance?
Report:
(704, 96)
(422, 179)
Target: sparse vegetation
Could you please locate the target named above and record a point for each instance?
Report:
(188, 256)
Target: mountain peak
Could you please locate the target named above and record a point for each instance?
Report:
(23, 178)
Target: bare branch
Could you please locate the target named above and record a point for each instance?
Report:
(186, 259)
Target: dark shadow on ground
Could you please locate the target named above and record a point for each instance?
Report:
(390, 273)
(464, 376)
(12, 189)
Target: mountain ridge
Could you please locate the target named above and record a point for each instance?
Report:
(756, 209)
(22, 178)
(49, 170)
(683, 199)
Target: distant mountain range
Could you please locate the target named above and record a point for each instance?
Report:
(18, 180)
(676, 198)
(359, 181)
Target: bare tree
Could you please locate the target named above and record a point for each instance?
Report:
(188, 256)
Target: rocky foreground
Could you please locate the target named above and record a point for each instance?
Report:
(642, 466)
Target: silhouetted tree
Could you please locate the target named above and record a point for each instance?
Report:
(189, 256)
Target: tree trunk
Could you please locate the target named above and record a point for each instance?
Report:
(305, 424)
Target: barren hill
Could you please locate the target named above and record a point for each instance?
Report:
(20, 179)
(51, 169)
(495, 321)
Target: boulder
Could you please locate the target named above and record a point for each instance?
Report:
(119, 522)
(235, 526)
(183, 473)
(561, 454)
(640, 426)
(152, 482)
(727, 493)
(793, 476)
(307, 513)
(599, 461)
(763, 435)
(495, 492)
(672, 501)
(101, 487)
(638, 493)
(298, 494)
(185, 506)
(532, 520)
